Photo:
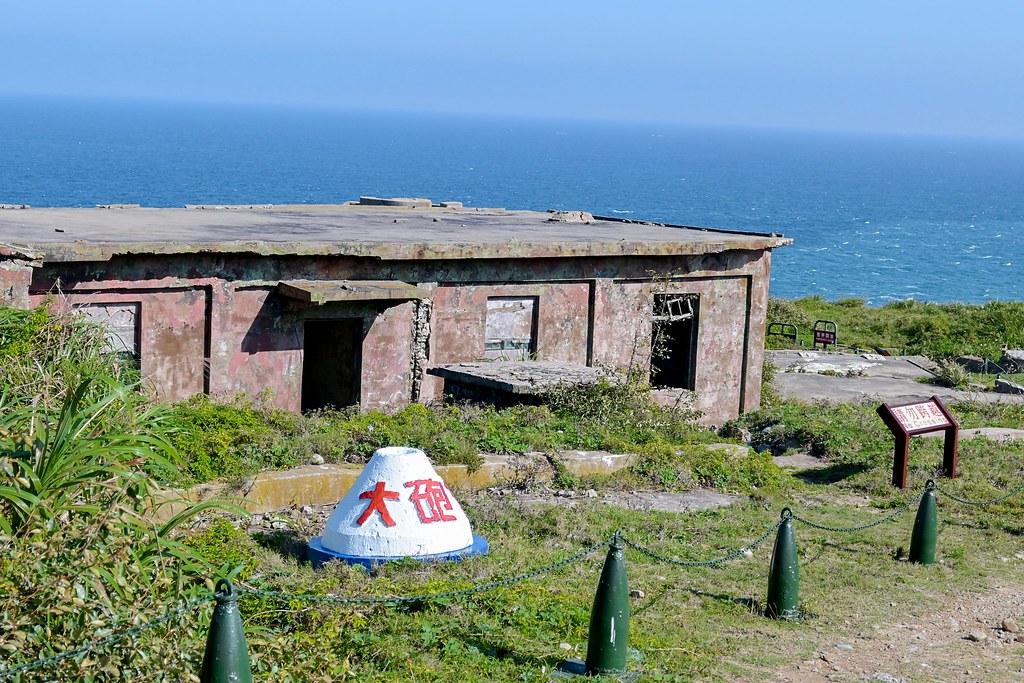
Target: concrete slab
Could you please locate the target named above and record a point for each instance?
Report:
(392, 232)
(865, 365)
(1000, 434)
(323, 484)
(893, 380)
(687, 501)
(523, 377)
(670, 502)
(798, 461)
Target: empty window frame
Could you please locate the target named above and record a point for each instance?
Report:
(511, 332)
(120, 324)
(674, 340)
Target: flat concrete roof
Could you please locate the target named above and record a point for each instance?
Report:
(353, 229)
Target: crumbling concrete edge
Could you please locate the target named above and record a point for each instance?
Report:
(323, 484)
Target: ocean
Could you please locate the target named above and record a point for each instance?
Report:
(877, 217)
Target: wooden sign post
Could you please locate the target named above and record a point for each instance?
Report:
(912, 419)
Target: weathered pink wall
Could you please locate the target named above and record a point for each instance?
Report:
(459, 322)
(622, 324)
(171, 339)
(760, 270)
(255, 349)
(255, 335)
(387, 358)
(15, 280)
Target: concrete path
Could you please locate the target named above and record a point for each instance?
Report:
(1001, 434)
(867, 378)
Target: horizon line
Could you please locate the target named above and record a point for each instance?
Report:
(484, 115)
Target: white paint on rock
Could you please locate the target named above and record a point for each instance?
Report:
(398, 507)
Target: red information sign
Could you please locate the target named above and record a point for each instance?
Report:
(921, 417)
(824, 337)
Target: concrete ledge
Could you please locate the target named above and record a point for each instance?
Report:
(1001, 434)
(322, 484)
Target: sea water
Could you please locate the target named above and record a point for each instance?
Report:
(876, 217)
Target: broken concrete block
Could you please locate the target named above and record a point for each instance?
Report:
(1013, 360)
(1005, 386)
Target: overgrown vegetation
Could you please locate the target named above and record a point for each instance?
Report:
(242, 436)
(81, 557)
(691, 624)
(933, 330)
(80, 552)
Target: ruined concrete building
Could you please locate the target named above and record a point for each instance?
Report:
(364, 302)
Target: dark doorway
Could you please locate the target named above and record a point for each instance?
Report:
(331, 363)
(674, 341)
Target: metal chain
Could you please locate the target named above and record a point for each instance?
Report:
(115, 638)
(339, 600)
(891, 516)
(706, 563)
(980, 503)
(112, 639)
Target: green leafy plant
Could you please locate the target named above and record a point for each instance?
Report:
(77, 462)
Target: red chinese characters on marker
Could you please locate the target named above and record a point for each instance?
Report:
(377, 495)
(431, 499)
(920, 416)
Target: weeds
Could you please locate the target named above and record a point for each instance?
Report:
(80, 555)
(951, 374)
(933, 330)
(74, 574)
(241, 437)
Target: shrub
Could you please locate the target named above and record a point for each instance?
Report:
(45, 357)
(81, 557)
(680, 467)
(951, 374)
(223, 546)
(230, 439)
(841, 432)
(619, 414)
(82, 461)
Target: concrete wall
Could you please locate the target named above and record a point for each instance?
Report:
(15, 281)
(460, 316)
(172, 333)
(224, 311)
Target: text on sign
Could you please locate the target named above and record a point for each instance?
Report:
(919, 416)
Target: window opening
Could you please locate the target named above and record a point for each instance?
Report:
(120, 324)
(674, 341)
(511, 332)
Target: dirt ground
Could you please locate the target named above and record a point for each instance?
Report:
(975, 637)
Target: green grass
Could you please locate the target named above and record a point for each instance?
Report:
(241, 437)
(933, 330)
(86, 572)
(691, 624)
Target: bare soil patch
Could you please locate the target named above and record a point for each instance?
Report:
(971, 638)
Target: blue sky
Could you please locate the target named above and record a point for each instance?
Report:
(922, 67)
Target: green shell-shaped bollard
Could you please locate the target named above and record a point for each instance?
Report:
(784, 575)
(227, 653)
(609, 620)
(925, 535)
